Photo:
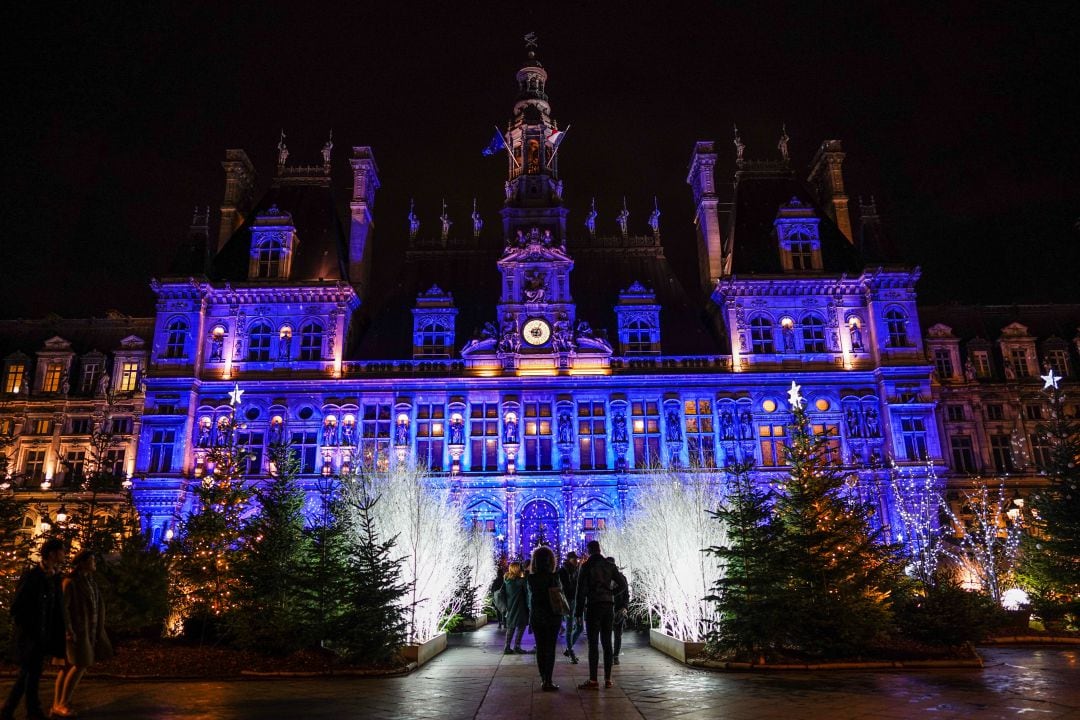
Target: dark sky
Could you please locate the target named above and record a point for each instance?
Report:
(955, 116)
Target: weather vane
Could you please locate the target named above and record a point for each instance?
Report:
(530, 40)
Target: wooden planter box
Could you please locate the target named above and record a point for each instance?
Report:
(681, 651)
(474, 624)
(420, 654)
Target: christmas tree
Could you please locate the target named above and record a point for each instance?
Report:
(326, 564)
(204, 555)
(840, 575)
(750, 592)
(1051, 549)
(271, 593)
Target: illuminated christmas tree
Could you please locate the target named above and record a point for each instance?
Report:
(1051, 549)
(919, 507)
(987, 535)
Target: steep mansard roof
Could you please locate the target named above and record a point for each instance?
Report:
(84, 334)
(760, 190)
(322, 250)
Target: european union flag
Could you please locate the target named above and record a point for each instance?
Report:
(497, 143)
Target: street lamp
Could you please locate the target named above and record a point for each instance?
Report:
(61, 515)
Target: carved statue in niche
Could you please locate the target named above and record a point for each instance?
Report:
(508, 188)
(618, 427)
(217, 347)
(788, 334)
(746, 425)
(547, 240)
(401, 434)
(65, 383)
(510, 431)
(103, 384)
(204, 436)
(284, 346)
(871, 419)
(329, 434)
(508, 335)
(674, 428)
(1010, 371)
(969, 371)
(566, 428)
(590, 219)
(348, 434)
(727, 426)
(277, 433)
(562, 338)
(851, 418)
(457, 431)
(856, 337)
(535, 285)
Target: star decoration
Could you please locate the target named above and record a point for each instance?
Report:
(1050, 379)
(235, 394)
(794, 397)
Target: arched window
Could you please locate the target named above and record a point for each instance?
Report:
(896, 324)
(259, 336)
(813, 332)
(639, 336)
(311, 340)
(761, 335)
(176, 339)
(268, 260)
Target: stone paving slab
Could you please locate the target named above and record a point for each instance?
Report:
(473, 680)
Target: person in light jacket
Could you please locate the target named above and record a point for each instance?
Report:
(84, 625)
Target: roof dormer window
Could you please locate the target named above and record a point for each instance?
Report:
(273, 242)
(798, 238)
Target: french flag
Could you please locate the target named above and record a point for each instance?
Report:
(555, 137)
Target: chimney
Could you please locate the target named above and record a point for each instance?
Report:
(365, 183)
(827, 177)
(706, 218)
(239, 193)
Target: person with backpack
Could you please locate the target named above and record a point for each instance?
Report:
(568, 575)
(544, 616)
(622, 604)
(598, 583)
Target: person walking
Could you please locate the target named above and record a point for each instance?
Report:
(496, 593)
(598, 582)
(543, 617)
(517, 610)
(84, 627)
(38, 631)
(568, 574)
(622, 604)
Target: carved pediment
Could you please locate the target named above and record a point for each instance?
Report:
(1014, 330)
(940, 330)
(57, 343)
(132, 342)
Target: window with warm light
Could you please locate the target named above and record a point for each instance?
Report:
(129, 376)
(375, 435)
(592, 435)
(51, 382)
(645, 422)
(773, 440)
(13, 380)
(700, 435)
(483, 436)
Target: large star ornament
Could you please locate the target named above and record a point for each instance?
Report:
(794, 397)
(1050, 379)
(235, 395)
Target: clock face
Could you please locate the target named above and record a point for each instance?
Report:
(536, 331)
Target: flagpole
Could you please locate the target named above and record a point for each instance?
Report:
(506, 147)
(552, 158)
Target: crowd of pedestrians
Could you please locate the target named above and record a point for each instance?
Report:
(590, 596)
(57, 618)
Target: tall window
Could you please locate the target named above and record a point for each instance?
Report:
(1001, 452)
(592, 435)
(943, 363)
(813, 332)
(162, 442)
(484, 436)
(129, 376)
(1040, 450)
(802, 253)
(305, 445)
(41, 426)
(913, 432)
(896, 326)
(1058, 359)
(1018, 360)
(35, 466)
(122, 425)
(638, 336)
(268, 260)
(53, 373)
(761, 335)
(537, 436)
(700, 435)
(259, 336)
(375, 435)
(75, 466)
(963, 453)
(91, 371)
(114, 462)
(981, 360)
(311, 341)
(955, 412)
(645, 417)
(434, 338)
(995, 411)
(252, 443)
(773, 440)
(176, 339)
(430, 433)
(831, 433)
(14, 379)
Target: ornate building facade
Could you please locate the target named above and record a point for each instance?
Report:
(540, 367)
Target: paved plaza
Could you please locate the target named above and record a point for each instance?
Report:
(473, 679)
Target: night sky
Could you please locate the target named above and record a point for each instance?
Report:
(955, 119)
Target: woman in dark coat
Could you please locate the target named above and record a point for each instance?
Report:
(543, 620)
(517, 610)
(84, 622)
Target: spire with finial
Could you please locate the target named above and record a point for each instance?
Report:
(740, 148)
(782, 145)
(654, 217)
(477, 221)
(623, 217)
(282, 151)
(414, 222)
(446, 222)
(590, 219)
(326, 149)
